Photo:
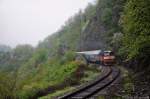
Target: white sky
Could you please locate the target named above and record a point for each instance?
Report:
(28, 21)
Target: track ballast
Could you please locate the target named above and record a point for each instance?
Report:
(108, 76)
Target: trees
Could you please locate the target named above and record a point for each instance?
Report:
(23, 52)
(136, 27)
(4, 48)
(7, 85)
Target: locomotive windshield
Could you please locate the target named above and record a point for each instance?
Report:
(108, 53)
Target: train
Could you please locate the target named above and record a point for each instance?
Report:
(99, 57)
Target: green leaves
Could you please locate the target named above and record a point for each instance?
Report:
(136, 26)
(7, 85)
(40, 56)
(106, 15)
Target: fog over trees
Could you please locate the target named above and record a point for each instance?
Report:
(30, 21)
(119, 25)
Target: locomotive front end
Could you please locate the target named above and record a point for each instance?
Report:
(108, 58)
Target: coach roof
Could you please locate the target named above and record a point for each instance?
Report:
(94, 52)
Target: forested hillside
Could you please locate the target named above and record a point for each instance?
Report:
(119, 25)
(136, 41)
(103, 26)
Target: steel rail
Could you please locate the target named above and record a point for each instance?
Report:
(80, 93)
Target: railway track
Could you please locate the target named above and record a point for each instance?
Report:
(108, 76)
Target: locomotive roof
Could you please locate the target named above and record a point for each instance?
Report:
(107, 51)
(94, 52)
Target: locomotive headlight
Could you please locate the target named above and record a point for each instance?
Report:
(109, 57)
(112, 57)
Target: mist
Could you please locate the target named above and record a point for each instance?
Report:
(30, 21)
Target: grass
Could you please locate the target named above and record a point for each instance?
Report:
(47, 75)
(127, 81)
(58, 93)
(89, 74)
(100, 97)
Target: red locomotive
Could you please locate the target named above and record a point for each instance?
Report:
(99, 57)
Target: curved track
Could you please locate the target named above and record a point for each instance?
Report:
(108, 76)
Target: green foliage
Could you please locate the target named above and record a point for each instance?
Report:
(117, 41)
(7, 85)
(89, 12)
(109, 13)
(68, 56)
(102, 26)
(136, 26)
(12, 60)
(89, 74)
(42, 71)
(69, 36)
(58, 93)
(40, 56)
(4, 48)
(128, 81)
(51, 63)
(106, 15)
(47, 75)
(4, 61)
(31, 68)
(22, 52)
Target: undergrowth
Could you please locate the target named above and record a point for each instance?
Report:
(85, 74)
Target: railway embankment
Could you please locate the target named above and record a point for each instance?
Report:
(134, 84)
(80, 77)
(109, 76)
(121, 88)
(127, 86)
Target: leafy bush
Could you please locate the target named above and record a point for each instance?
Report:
(47, 75)
(7, 86)
(106, 15)
(136, 26)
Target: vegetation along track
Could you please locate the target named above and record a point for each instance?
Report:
(109, 75)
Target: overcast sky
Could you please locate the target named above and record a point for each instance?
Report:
(28, 21)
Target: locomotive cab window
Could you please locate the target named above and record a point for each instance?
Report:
(108, 53)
